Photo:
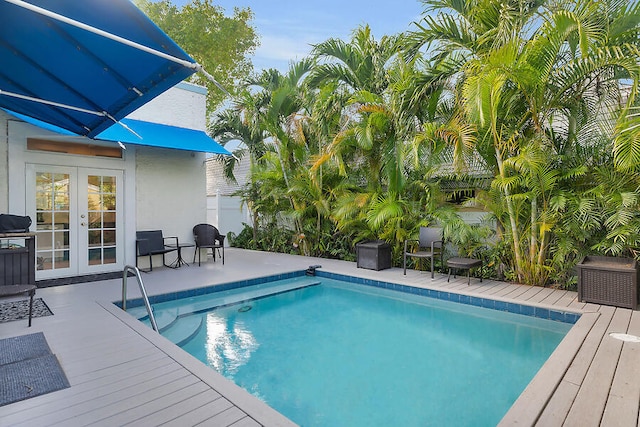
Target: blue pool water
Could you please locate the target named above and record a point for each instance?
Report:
(330, 353)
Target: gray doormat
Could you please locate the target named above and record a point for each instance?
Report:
(18, 310)
(28, 369)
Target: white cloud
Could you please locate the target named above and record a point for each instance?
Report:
(282, 48)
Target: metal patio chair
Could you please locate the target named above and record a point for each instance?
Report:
(428, 246)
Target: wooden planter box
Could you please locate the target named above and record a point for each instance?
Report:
(374, 255)
(609, 281)
(17, 265)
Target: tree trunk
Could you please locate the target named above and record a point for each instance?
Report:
(512, 218)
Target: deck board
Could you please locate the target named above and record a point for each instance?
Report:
(201, 414)
(176, 409)
(176, 396)
(622, 405)
(592, 396)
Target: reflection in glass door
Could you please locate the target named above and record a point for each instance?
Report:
(52, 194)
(100, 236)
(101, 226)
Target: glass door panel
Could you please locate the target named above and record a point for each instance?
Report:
(52, 198)
(100, 219)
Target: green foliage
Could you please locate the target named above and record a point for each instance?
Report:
(357, 142)
(222, 44)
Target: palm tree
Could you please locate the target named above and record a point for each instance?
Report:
(531, 70)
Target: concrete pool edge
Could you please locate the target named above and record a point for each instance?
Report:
(245, 401)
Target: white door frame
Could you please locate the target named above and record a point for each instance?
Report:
(19, 157)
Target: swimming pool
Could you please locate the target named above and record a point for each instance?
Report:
(324, 352)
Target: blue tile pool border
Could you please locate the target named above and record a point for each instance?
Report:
(527, 310)
(188, 293)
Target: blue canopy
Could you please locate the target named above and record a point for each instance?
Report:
(163, 136)
(139, 132)
(84, 64)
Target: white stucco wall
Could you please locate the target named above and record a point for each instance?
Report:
(170, 193)
(184, 105)
(4, 170)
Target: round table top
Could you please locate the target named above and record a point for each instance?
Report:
(463, 262)
(9, 290)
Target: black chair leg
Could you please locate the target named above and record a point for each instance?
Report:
(223, 255)
(404, 263)
(31, 294)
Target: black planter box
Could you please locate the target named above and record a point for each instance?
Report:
(374, 255)
(609, 281)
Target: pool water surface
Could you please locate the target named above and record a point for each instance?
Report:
(329, 353)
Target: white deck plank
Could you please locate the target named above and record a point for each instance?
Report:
(622, 405)
(177, 396)
(589, 405)
(580, 366)
(89, 386)
(246, 422)
(178, 409)
(225, 418)
(200, 414)
(148, 392)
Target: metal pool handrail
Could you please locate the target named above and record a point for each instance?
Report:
(135, 270)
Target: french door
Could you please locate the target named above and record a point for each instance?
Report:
(78, 216)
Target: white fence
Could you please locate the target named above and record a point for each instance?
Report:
(227, 213)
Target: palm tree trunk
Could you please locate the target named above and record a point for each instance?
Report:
(512, 218)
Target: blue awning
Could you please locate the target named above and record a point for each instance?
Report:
(82, 65)
(146, 133)
(162, 136)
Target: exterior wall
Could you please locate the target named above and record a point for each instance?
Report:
(4, 169)
(184, 105)
(170, 193)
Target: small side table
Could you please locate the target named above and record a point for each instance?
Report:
(13, 290)
(179, 262)
(463, 264)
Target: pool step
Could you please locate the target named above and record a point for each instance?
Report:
(182, 331)
(166, 317)
(206, 302)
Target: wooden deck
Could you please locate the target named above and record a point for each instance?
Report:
(122, 373)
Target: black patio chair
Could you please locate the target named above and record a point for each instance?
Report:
(429, 245)
(150, 243)
(207, 237)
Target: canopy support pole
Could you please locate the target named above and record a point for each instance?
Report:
(191, 65)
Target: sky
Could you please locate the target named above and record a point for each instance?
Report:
(288, 28)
